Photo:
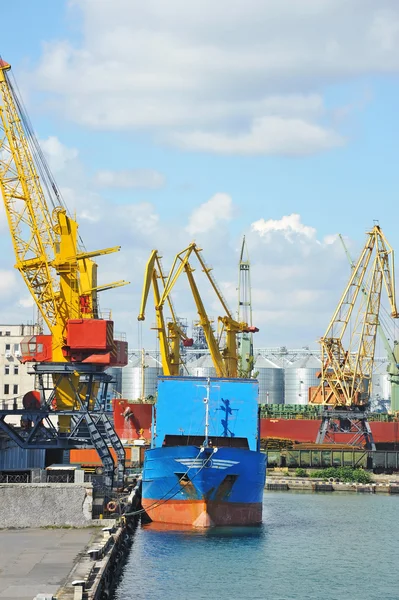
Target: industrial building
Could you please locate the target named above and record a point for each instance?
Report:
(15, 379)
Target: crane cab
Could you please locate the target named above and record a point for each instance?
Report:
(36, 348)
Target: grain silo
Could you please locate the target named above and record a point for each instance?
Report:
(271, 381)
(202, 367)
(140, 377)
(299, 377)
(380, 396)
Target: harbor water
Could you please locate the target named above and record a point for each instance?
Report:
(332, 546)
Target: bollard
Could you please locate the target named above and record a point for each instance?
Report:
(79, 588)
(94, 553)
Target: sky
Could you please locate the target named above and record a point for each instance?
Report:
(167, 123)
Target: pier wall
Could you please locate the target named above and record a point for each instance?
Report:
(45, 504)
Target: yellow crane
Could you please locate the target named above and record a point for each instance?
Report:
(392, 353)
(170, 336)
(348, 346)
(345, 378)
(225, 359)
(59, 273)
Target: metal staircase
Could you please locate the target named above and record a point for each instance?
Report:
(88, 428)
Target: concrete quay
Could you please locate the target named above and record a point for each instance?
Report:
(34, 561)
(319, 485)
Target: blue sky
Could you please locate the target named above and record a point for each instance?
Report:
(215, 119)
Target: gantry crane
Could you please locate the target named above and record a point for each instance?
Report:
(59, 273)
(348, 346)
(171, 336)
(225, 359)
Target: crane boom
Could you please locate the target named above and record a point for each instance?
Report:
(33, 235)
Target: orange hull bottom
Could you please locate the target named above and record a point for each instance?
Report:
(201, 513)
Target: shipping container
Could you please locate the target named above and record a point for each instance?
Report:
(91, 462)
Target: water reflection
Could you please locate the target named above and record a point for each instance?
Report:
(187, 530)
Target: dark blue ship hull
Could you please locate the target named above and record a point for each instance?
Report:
(204, 486)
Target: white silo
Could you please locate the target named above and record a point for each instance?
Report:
(299, 377)
(202, 367)
(271, 381)
(140, 377)
(381, 384)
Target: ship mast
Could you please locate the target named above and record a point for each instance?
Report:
(206, 401)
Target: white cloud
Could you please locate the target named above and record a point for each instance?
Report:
(133, 178)
(8, 283)
(210, 213)
(289, 225)
(139, 217)
(269, 135)
(218, 77)
(26, 302)
(57, 154)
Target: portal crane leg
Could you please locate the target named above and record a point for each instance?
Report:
(352, 423)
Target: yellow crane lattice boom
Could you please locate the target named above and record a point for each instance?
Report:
(29, 219)
(345, 378)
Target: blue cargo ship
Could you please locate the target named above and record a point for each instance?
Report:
(205, 467)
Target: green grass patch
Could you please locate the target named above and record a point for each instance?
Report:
(344, 474)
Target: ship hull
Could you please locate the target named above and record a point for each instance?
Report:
(306, 430)
(204, 487)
